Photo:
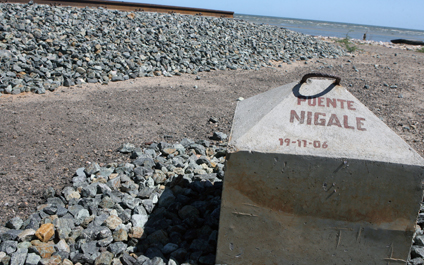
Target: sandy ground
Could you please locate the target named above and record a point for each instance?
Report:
(45, 138)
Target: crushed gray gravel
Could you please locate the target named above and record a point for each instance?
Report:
(162, 208)
(43, 47)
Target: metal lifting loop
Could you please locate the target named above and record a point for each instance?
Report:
(305, 77)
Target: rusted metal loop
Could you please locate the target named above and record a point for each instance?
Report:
(296, 89)
(305, 77)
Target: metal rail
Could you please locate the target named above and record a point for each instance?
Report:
(128, 6)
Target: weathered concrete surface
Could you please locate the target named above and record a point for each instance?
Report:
(336, 192)
(337, 118)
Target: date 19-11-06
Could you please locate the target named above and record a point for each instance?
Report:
(302, 143)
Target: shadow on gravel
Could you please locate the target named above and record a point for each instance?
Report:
(179, 198)
(184, 224)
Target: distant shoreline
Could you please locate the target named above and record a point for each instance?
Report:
(370, 42)
(323, 21)
(336, 29)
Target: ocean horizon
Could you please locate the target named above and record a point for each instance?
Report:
(336, 29)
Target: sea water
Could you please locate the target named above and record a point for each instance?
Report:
(334, 29)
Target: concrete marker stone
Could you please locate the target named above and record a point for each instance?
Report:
(314, 177)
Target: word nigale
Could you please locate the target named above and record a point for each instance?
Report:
(321, 119)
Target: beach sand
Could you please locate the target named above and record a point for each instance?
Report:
(45, 138)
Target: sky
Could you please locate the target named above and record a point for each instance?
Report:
(408, 14)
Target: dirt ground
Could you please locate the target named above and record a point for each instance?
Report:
(45, 138)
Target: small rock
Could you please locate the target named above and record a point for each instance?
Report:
(219, 136)
(68, 82)
(50, 210)
(187, 211)
(213, 119)
(139, 220)
(143, 260)
(120, 235)
(53, 260)
(208, 259)
(15, 223)
(128, 201)
(179, 254)
(419, 240)
(16, 68)
(45, 250)
(90, 190)
(67, 262)
(105, 258)
(93, 168)
(117, 248)
(81, 172)
(170, 247)
(416, 261)
(69, 193)
(116, 78)
(154, 253)
(417, 252)
(24, 245)
(8, 247)
(107, 203)
(80, 70)
(166, 198)
(19, 257)
(45, 232)
(127, 148)
(63, 246)
(90, 248)
(63, 223)
(148, 205)
(55, 201)
(26, 235)
(4, 259)
(113, 221)
(136, 232)
(158, 236)
(126, 259)
(32, 259)
(116, 261)
(9, 234)
(168, 150)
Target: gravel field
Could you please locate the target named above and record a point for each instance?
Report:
(45, 47)
(64, 157)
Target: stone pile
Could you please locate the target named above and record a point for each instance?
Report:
(417, 250)
(162, 208)
(43, 47)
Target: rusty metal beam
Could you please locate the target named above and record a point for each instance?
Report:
(129, 6)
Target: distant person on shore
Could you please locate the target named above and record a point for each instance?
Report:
(365, 36)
